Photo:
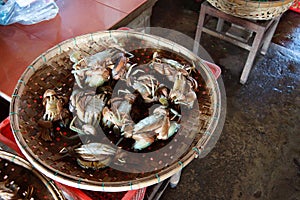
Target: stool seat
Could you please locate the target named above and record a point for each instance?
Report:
(264, 31)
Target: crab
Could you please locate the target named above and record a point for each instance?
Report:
(95, 155)
(146, 85)
(156, 124)
(94, 70)
(87, 107)
(90, 71)
(54, 111)
(10, 191)
(182, 92)
(120, 67)
(168, 67)
(119, 114)
(53, 104)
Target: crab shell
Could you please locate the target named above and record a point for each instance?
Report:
(49, 93)
(87, 105)
(95, 155)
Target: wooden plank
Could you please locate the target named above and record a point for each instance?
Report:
(227, 38)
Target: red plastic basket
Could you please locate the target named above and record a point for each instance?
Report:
(296, 6)
(7, 138)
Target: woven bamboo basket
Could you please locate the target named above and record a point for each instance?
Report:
(17, 172)
(251, 9)
(53, 70)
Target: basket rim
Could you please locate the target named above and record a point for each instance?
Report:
(119, 186)
(253, 10)
(24, 163)
(253, 3)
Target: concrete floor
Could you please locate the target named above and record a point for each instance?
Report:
(258, 153)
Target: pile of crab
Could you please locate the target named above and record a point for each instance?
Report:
(140, 101)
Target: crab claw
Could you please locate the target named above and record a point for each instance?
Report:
(142, 141)
(174, 127)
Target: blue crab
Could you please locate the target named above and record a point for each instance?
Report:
(158, 124)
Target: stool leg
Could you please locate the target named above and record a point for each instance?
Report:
(253, 51)
(199, 29)
(268, 39)
(220, 25)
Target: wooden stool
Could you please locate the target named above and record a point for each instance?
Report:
(263, 30)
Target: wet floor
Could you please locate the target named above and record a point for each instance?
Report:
(258, 153)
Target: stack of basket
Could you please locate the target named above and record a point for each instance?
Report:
(253, 9)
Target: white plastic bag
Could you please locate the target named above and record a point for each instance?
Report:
(27, 12)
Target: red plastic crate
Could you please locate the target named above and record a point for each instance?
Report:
(296, 6)
(7, 138)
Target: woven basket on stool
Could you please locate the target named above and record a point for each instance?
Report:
(256, 10)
